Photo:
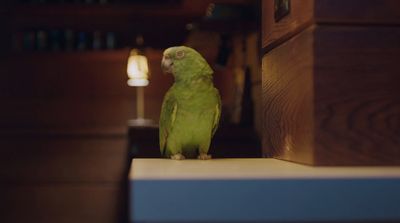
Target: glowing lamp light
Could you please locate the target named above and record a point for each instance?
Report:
(138, 74)
(137, 69)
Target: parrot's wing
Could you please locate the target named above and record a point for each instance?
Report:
(167, 118)
(217, 115)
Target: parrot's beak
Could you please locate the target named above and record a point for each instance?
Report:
(166, 65)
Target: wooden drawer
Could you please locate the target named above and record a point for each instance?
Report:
(357, 12)
(63, 159)
(304, 13)
(62, 203)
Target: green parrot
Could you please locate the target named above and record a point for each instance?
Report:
(191, 108)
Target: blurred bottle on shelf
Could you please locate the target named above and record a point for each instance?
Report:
(81, 43)
(110, 41)
(97, 40)
(64, 1)
(68, 40)
(62, 40)
(29, 41)
(55, 40)
(41, 40)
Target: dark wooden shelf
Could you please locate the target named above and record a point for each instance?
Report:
(125, 20)
(114, 54)
(228, 26)
(64, 132)
(103, 10)
(119, 16)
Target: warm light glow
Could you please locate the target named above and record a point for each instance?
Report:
(138, 82)
(138, 69)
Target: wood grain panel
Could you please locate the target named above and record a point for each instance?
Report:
(304, 13)
(274, 33)
(61, 203)
(331, 97)
(358, 11)
(74, 112)
(76, 74)
(287, 91)
(63, 159)
(357, 95)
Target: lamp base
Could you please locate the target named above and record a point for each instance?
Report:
(141, 122)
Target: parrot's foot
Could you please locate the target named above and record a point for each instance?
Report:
(204, 156)
(177, 156)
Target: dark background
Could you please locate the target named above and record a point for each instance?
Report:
(64, 142)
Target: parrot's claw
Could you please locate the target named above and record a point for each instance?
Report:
(177, 156)
(204, 156)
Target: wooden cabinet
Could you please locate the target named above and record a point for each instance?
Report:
(63, 118)
(75, 175)
(299, 16)
(330, 82)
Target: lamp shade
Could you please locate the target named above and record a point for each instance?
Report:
(137, 69)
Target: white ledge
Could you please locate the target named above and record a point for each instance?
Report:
(260, 190)
(153, 169)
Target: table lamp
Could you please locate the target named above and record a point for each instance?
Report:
(138, 74)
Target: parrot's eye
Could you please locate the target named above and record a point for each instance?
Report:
(180, 54)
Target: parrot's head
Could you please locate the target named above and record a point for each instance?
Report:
(184, 63)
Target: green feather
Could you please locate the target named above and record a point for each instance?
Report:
(191, 108)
